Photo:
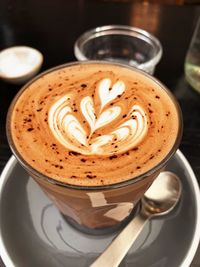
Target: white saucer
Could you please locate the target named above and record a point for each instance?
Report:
(33, 233)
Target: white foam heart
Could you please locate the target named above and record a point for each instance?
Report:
(108, 93)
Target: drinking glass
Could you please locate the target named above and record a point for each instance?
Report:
(97, 209)
(192, 60)
(118, 43)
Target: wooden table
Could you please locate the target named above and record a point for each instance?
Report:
(53, 26)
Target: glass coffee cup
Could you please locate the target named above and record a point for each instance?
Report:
(94, 135)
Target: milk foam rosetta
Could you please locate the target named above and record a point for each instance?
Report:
(69, 131)
(93, 124)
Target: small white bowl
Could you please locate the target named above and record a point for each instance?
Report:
(18, 64)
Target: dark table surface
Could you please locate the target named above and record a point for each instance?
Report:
(53, 26)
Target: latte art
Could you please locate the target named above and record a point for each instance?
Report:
(94, 124)
(70, 131)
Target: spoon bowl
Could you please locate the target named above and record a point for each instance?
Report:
(162, 196)
(160, 199)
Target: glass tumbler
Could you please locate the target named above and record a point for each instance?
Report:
(123, 44)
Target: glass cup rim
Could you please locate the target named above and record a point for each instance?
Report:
(123, 30)
(41, 176)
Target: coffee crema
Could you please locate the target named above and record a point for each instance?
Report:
(94, 124)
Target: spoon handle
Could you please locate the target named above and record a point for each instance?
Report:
(115, 252)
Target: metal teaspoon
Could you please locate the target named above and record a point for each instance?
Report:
(160, 199)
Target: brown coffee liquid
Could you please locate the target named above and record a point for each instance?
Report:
(94, 124)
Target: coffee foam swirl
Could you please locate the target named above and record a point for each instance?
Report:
(94, 124)
(71, 133)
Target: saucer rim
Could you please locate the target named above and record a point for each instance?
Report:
(196, 236)
(4, 254)
(12, 162)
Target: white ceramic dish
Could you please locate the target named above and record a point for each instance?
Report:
(18, 64)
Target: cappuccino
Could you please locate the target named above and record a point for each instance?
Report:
(93, 124)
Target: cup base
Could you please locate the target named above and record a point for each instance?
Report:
(104, 230)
